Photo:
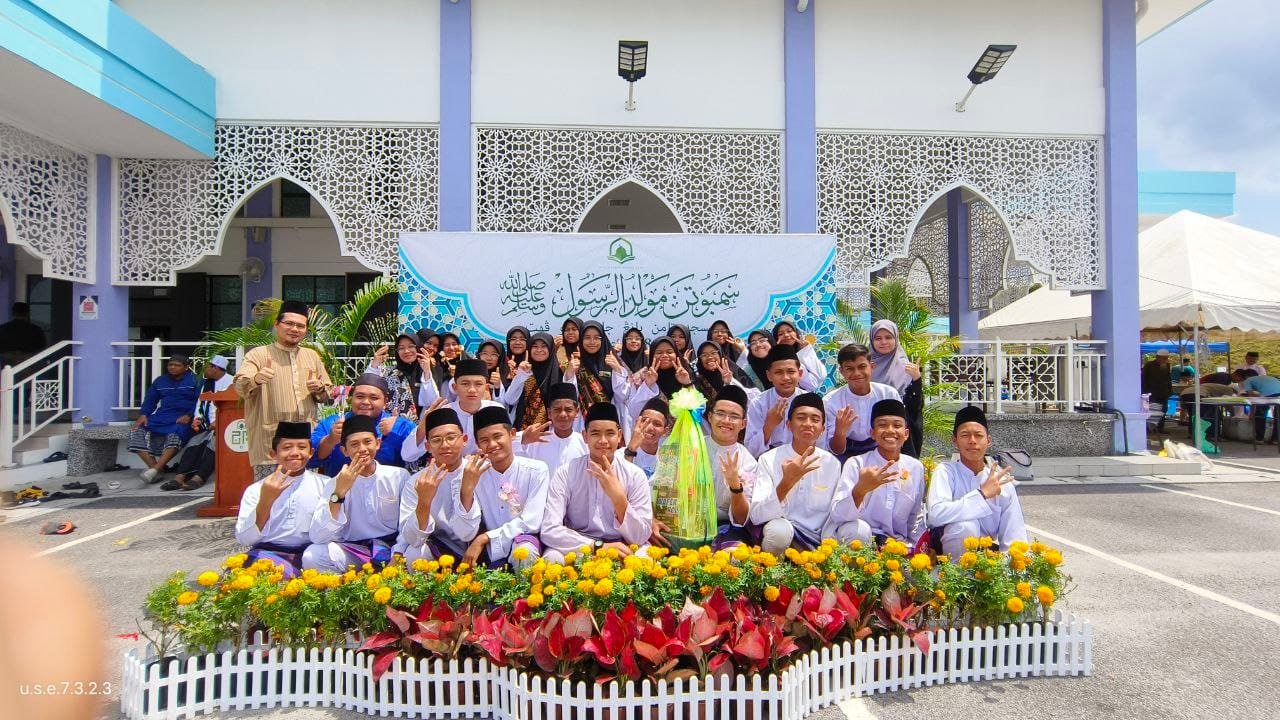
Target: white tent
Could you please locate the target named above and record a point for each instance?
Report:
(1193, 270)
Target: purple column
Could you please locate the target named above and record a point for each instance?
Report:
(1115, 310)
(95, 381)
(262, 204)
(800, 138)
(455, 115)
(964, 321)
(8, 276)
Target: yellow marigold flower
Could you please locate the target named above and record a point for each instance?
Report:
(309, 573)
(390, 571)
(244, 582)
(1024, 590)
(421, 565)
(1045, 595)
(188, 597)
(895, 547)
(830, 542)
(535, 600)
(553, 572)
(272, 599)
(1019, 564)
(920, 562)
(208, 578)
(236, 561)
(732, 571)
(475, 587)
(831, 577)
(585, 550)
(855, 544)
(706, 589)
(520, 553)
(604, 587)
(892, 564)
(741, 553)
(551, 590)
(263, 564)
(657, 553)
(979, 575)
(571, 573)
(1018, 547)
(1038, 547)
(602, 571)
(971, 543)
(1014, 605)
(563, 585)
(446, 561)
(463, 567)
(382, 595)
(944, 559)
(674, 563)
(968, 560)
(791, 554)
(366, 568)
(408, 583)
(570, 557)
(713, 569)
(373, 582)
(985, 542)
(871, 568)
(350, 575)
(658, 572)
(626, 575)
(771, 593)
(940, 594)
(293, 588)
(586, 586)
(860, 561)
(895, 577)
(1053, 557)
(815, 574)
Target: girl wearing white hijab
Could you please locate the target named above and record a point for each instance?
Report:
(892, 367)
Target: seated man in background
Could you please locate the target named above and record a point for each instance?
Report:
(563, 443)
(360, 521)
(429, 504)
(196, 464)
(1252, 385)
(164, 420)
(369, 396)
(973, 497)
(887, 485)
(596, 501)
(799, 483)
(276, 512)
(500, 507)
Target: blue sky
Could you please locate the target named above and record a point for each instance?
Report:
(1209, 99)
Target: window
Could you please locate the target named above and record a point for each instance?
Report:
(294, 201)
(225, 294)
(325, 291)
(40, 298)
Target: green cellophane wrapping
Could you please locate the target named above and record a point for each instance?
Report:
(684, 496)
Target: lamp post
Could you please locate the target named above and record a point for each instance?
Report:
(989, 63)
(633, 60)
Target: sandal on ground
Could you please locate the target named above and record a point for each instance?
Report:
(196, 483)
(172, 485)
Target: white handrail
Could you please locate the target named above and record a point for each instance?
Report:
(43, 354)
(40, 397)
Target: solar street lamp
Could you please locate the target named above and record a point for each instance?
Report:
(633, 60)
(989, 63)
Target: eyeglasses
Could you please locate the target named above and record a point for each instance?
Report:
(442, 440)
(293, 325)
(758, 341)
(722, 415)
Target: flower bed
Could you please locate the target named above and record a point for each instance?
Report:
(443, 640)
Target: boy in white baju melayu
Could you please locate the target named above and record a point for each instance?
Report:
(563, 443)
(276, 512)
(429, 504)
(888, 486)
(849, 407)
(735, 470)
(767, 425)
(973, 497)
(471, 384)
(360, 522)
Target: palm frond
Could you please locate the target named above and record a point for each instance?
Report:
(351, 318)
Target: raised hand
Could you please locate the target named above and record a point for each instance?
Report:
(381, 354)
(265, 373)
(913, 370)
(997, 476)
(559, 341)
(495, 380)
(426, 361)
(428, 481)
(797, 467)
(473, 468)
(845, 418)
(871, 477)
(335, 432)
(682, 374)
(534, 433)
(575, 363)
(776, 415)
(314, 383)
(511, 366)
(617, 347)
(525, 367)
(611, 362)
(273, 485)
(726, 373)
(384, 427)
(729, 468)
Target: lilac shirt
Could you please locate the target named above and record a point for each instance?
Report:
(578, 512)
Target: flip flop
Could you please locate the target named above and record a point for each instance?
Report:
(64, 527)
(172, 485)
(116, 468)
(55, 457)
(73, 486)
(193, 484)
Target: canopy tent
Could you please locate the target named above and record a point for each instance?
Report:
(1194, 270)
(1186, 347)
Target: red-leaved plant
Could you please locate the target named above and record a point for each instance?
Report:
(433, 631)
(894, 615)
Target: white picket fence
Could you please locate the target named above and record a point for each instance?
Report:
(265, 676)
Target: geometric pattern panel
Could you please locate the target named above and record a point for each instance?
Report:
(545, 179)
(376, 182)
(926, 266)
(871, 186)
(46, 189)
(988, 247)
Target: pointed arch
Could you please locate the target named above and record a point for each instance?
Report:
(595, 202)
(11, 236)
(942, 193)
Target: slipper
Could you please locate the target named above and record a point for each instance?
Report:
(172, 485)
(194, 484)
(116, 468)
(57, 528)
(73, 486)
(56, 457)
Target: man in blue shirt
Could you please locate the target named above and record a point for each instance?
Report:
(164, 420)
(369, 397)
(1252, 385)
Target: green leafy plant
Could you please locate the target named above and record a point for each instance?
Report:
(333, 336)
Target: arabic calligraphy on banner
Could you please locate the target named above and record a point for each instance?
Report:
(647, 281)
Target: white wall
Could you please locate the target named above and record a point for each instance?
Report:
(329, 60)
(712, 63)
(901, 65)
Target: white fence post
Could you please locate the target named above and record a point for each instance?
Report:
(1071, 376)
(157, 367)
(6, 416)
(999, 359)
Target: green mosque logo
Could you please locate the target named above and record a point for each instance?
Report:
(620, 251)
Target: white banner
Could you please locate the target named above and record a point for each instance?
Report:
(649, 281)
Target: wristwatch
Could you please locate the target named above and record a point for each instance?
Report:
(598, 544)
(736, 491)
(629, 453)
(336, 498)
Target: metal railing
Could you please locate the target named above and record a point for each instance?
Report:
(1024, 376)
(139, 362)
(35, 393)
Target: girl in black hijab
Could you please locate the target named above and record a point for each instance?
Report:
(490, 352)
(403, 374)
(600, 376)
(532, 382)
(570, 339)
(730, 346)
(711, 369)
(429, 349)
(759, 344)
(633, 354)
(679, 334)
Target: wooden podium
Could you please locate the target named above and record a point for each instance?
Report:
(232, 471)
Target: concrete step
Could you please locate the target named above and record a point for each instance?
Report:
(1113, 466)
(35, 449)
(47, 475)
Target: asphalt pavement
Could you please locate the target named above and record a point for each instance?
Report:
(1179, 577)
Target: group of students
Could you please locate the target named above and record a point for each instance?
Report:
(545, 445)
